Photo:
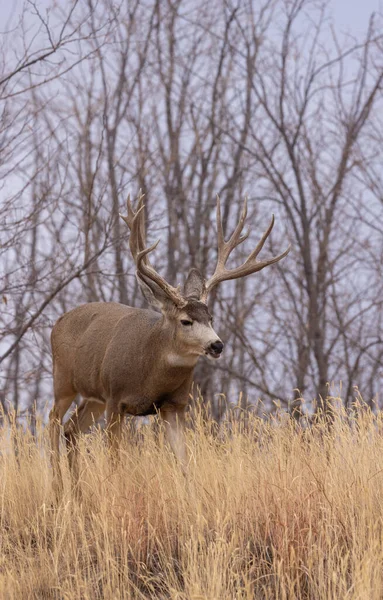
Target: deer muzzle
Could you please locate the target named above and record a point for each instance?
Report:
(215, 349)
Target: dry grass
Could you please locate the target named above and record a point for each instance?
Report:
(272, 512)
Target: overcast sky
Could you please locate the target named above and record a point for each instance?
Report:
(352, 15)
(349, 15)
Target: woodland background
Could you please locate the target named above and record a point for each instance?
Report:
(185, 100)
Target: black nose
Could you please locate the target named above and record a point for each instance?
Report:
(216, 347)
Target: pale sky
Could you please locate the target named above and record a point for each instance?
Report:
(349, 15)
(352, 15)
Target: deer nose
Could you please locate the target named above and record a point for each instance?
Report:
(216, 347)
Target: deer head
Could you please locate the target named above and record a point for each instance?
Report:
(187, 309)
(182, 310)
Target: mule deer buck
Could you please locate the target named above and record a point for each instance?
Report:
(136, 361)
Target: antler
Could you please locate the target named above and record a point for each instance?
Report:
(135, 220)
(251, 265)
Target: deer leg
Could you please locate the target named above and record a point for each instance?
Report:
(174, 422)
(56, 416)
(89, 411)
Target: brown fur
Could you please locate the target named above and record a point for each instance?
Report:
(109, 351)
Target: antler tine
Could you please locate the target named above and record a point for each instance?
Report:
(140, 206)
(137, 238)
(236, 238)
(137, 241)
(135, 220)
(220, 236)
(261, 242)
(225, 248)
(141, 255)
(251, 265)
(131, 212)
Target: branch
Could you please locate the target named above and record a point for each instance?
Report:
(48, 300)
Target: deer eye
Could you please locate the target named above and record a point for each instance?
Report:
(186, 322)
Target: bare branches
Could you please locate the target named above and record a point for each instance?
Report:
(187, 100)
(62, 285)
(64, 35)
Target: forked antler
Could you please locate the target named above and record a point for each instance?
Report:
(135, 220)
(251, 265)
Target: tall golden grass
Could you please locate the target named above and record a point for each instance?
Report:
(268, 510)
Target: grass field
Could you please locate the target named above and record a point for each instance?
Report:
(266, 511)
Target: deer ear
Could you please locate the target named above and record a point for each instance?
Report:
(153, 294)
(194, 285)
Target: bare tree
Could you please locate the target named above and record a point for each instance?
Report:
(187, 100)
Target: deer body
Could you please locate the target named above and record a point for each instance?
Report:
(125, 360)
(110, 351)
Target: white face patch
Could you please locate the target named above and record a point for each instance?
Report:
(205, 334)
(178, 360)
(196, 337)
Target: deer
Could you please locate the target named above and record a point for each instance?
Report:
(137, 361)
